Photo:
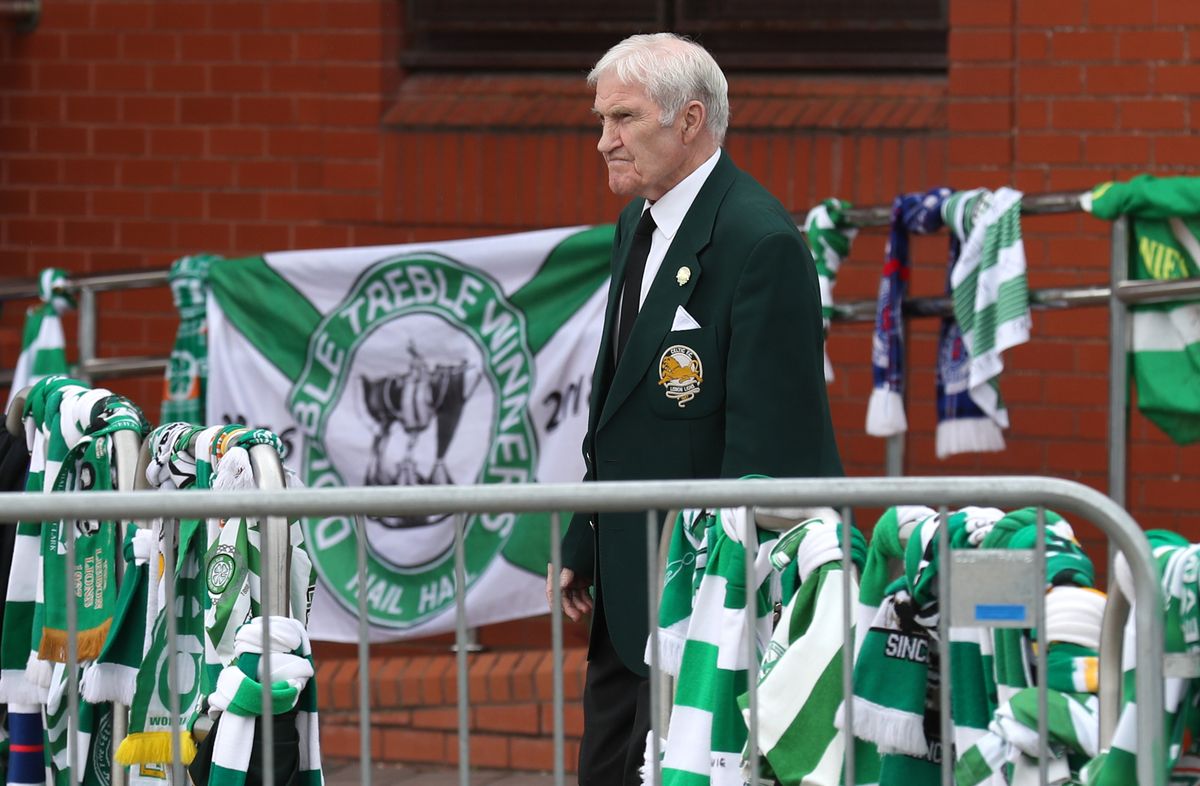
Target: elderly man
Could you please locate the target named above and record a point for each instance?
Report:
(710, 363)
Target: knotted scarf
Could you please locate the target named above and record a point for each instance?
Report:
(43, 347)
(829, 237)
(237, 700)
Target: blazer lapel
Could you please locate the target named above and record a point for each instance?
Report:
(665, 295)
(602, 374)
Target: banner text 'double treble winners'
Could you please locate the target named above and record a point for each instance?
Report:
(430, 410)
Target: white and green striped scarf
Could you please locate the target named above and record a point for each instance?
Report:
(233, 562)
(43, 346)
(172, 467)
(800, 679)
(87, 419)
(1164, 245)
(989, 289)
(702, 642)
(22, 631)
(237, 701)
(1178, 567)
(1073, 621)
(187, 373)
(829, 237)
(1012, 738)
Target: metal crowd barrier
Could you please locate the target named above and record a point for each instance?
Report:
(941, 492)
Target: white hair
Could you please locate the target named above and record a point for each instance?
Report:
(674, 70)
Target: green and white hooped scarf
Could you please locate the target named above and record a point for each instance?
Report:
(829, 237)
(1164, 245)
(187, 373)
(800, 678)
(991, 299)
(702, 641)
(237, 700)
(43, 346)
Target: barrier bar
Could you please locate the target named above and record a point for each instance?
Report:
(1043, 648)
(168, 541)
(750, 551)
(1118, 363)
(652, 601)
(556, 644)
(364, 656)
(848, 637)
(460, 649)
(71, 722)
(945, 710)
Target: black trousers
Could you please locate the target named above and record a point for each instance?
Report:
(616, 715)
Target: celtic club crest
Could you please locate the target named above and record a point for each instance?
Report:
(420, 375)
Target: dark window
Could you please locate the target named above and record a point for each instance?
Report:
(824, 35)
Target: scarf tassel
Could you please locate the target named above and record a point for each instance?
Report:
(103, 682)
(969, 435)
(892, 730)
(885, 413)
(154, 747)
(90, 642)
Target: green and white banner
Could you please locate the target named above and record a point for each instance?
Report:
(458, 362)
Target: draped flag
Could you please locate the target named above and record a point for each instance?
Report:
(457, 362)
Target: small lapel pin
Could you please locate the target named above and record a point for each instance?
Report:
(683, 276)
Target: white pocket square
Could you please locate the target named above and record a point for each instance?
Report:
(684, 320)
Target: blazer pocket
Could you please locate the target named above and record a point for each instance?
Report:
(687, 378)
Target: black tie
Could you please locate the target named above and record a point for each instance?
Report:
(635, 268)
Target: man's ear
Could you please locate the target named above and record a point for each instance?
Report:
(693, 121)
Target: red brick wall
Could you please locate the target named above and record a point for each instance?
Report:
(1060, 96)
(132, 132)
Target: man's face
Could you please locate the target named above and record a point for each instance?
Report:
(644, 158)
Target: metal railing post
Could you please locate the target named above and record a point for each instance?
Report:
(1118, 364)
(86, 332)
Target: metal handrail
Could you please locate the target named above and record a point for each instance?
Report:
(1033, 205)
(1062, 495)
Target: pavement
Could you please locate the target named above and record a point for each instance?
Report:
(349, 774)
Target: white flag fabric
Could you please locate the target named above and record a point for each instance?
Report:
(458, 362)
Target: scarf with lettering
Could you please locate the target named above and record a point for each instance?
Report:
(911, 213)
(1164, 245)
(22, 632)
(172, 467)
(86, 421)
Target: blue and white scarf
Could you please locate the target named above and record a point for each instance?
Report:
(922, 214)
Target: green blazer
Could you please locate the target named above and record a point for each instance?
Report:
(757, 400)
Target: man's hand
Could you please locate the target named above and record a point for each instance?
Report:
(576, 600)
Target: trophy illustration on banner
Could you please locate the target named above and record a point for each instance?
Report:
(411, 400)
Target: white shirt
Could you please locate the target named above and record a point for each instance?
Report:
(668, 213)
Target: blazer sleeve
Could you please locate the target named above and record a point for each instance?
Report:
(579, 546)
(777, 410)
(579, 542)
